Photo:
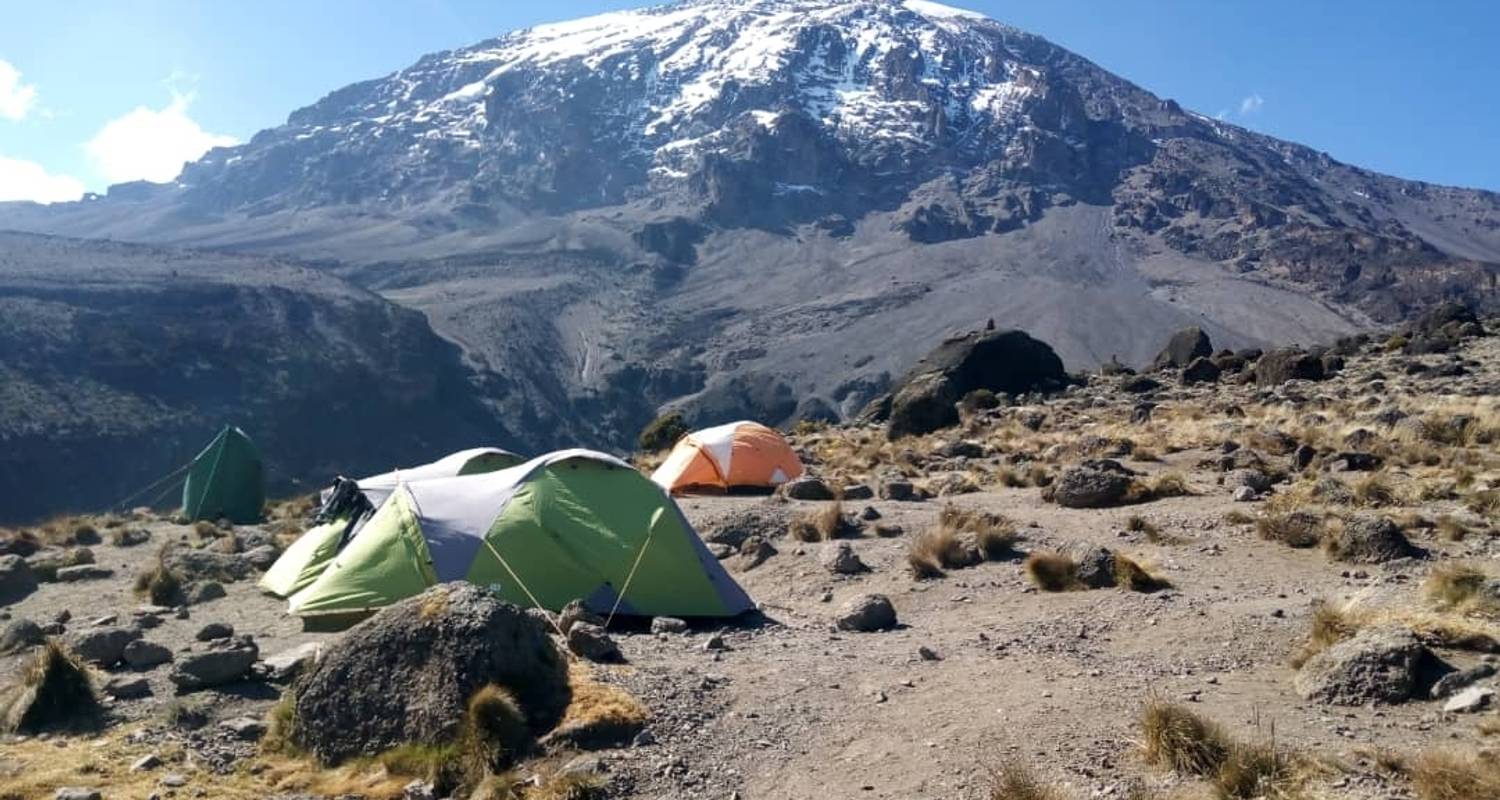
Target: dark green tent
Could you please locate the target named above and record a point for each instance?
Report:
(225, 480)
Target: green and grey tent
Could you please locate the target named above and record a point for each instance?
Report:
(225, 480)
(569, 525)
(307, 557)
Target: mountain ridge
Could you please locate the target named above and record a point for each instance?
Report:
(767, 208)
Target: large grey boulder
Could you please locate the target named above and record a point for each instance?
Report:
(1184, 346)
(104, 646)
(1092, 484)
(1008, 362)
(1367, 539)
(1378, 665)
(1096, 566)
(224, 661)
(1279, 366)
(16, 578)
(866, 613)
(407, 673)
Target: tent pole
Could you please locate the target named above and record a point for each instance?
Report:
(620, 595)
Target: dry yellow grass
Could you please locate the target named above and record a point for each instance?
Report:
(1178, 739)
(599, 712)
(1454, 776)
(1136, 576)
(1052, 572)
(825, 524)
(1461, 588)
(1014, 780)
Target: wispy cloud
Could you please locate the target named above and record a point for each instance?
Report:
(1252, 104)
(28, 180)
(16, 98)
(151, 144)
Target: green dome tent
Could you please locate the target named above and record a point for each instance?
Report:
(307, 557)
(225, 480)
(569, 525)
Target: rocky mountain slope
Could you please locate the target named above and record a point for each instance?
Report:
(769, 207)
(119, 362)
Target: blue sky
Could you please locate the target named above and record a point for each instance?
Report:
(97, 92)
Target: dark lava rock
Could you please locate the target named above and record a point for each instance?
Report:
(407, 673)
(1185, 347)
(1379, 665)
(1279, 366)
(1000, 361)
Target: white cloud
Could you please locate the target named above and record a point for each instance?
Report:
(1251, 104)
(28, 180)
(151, 144)
(16, 98)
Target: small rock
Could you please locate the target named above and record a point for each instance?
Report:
(419, 790)
(898, 489)
(1474, 698)
(590, 641)
(227, 661)
(288, 664)
(127, 688)
(247, 729)
(807, 488)
(1459, 679)
(83, 572)
(206, 591)
(214, 630)
(928, 654)
(76, 793)
(146, 762)
(142, 654)
(19, 635)
(1244, 494)
(867, 613)
(840, 559)
(668, 625)
(174, 780)
(869, 514)
(858, 491)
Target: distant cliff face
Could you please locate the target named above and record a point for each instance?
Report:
(769, 207)
(117, 363)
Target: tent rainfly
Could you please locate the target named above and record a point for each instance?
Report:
(740, 454)
(339, 521)
(569, 525)
(225, 480)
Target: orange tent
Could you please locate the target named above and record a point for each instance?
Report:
(737, 454)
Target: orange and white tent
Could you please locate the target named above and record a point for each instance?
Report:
(728, 456)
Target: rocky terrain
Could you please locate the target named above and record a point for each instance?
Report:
(769, 208)
(119, 362)
(1237, 575)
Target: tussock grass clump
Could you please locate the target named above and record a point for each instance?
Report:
(1167, 484)
(825, 524)
(1175, 738)
(1485, 503)
(1299, 529)
(1238, 517)
(184, 714)
(1129, 574)
(54, 692)
(1329, 626)
(203, 529)
(934, 550)
(994, 534)
(440, 764)
(1451, 529)
(159, 583)
(495, 731)
(1014, 780)
(281, 728)
(1052, 572)
(1376, 491)
(1449, 776)
(1461, 587)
